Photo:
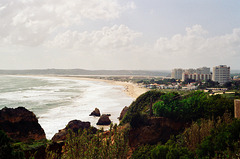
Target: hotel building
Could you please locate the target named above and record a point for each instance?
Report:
(198, 74)
(221, 74)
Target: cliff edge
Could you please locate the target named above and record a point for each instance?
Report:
(21, 124)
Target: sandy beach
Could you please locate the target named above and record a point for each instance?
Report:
(131, 89)
(56, 100)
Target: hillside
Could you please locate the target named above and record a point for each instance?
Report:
(84, 72)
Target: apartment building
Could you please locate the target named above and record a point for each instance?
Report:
(198, 74)
(221, 74)
(177, 73)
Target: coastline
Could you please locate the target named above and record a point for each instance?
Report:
(131, 89)
(56, 118)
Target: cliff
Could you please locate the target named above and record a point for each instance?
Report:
(157, 129)
(21, 124)
(75, 126)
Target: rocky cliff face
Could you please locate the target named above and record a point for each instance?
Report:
(158, 129)
(73, 125)
(21, 124)
(123, 112)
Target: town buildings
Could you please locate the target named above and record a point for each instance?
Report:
(177, 73)
(198, 74)
(221, 74)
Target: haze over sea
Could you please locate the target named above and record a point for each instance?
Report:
(56, 101)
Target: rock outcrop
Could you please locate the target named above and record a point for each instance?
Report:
(106, 114)
(96, 112)
(104, 120)
(21, 124)
(73, 125)
(158, 129)
(123, 112)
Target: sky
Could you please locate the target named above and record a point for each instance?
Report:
(119, 34)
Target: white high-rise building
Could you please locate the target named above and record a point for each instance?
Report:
(177, 73)
(221, 74)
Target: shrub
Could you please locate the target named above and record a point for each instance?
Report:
(223, 142)
(192, 107)
(160, 152)
(138, 119)
(111, 144)
(142, 152)
(141, 104)
(6, 149)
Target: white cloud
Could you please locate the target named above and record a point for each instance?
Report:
(31, 22)
(196, 47)
(108, 38)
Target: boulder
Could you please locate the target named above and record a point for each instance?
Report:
(73, 125)
(104, 120)
(123, 112)
(21, 124)
(96, 112)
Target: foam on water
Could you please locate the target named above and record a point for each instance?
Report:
(56, 101)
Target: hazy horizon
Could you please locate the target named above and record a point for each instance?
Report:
(119, 34)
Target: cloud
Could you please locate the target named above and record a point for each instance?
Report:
(196, 47)
(108, 38)
(31, 22)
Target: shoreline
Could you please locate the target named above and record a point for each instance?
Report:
(131, 89)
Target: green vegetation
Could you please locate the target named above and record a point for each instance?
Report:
(170, 150)
(113, 144)
(208, 84)
(214, 133)
(188, 107)
(193, 106)
(6, 149)
(209, 131)
(30, 145)
(141, 104)
(158, 81)
(222, 143)
(203, 139)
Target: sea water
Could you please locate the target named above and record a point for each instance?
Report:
(56, 101)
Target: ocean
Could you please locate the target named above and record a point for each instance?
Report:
(56, 101)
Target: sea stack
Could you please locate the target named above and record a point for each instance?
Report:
(123, 112)
(96, 112)
(104, 120)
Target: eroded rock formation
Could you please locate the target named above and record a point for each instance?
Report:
(96, 112)
(158, 129)
(21, 124)
(123, 112)
(104, 120)
(73, 125)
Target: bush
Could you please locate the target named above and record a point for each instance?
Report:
(112, 144)
(192, 107)
(138, 119)
(160, 152)
(141, 104)
(6, 149)
(223, 142)
(142, 152)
